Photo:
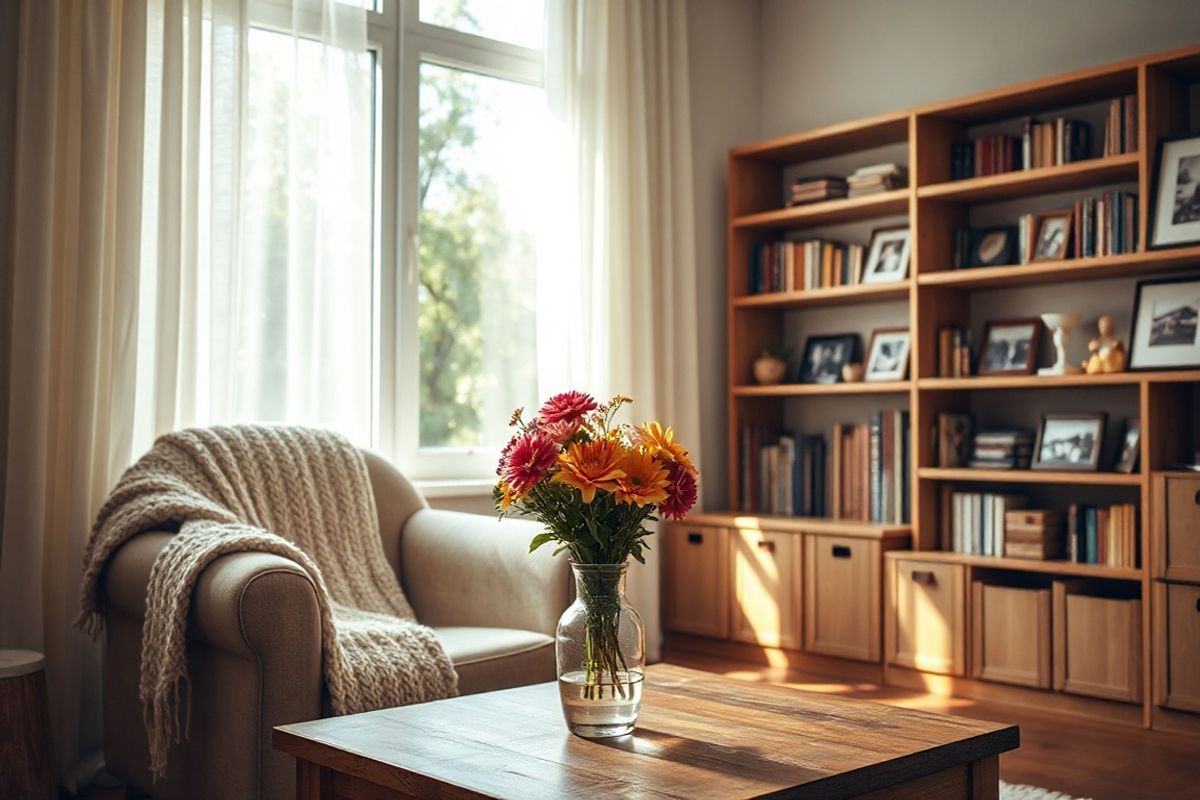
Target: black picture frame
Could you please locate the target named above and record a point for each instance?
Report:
(1131, 447)
(843, 350)
(1097, 419)
(976, 238)
(1133, 324)
(1155, 186)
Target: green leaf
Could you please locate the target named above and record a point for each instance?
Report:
(540, 540)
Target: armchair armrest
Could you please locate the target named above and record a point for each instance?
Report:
(471, 570)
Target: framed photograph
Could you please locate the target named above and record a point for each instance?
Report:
(1165, 312)
(887, 357)
(1010, 347)
(990, 247)
(1053, 237)
(1069, 442)
(887, 256)
(1130, 447)
(824, 357)
(1175, 192)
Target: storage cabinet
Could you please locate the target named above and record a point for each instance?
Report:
(1177, 646)
(1097, 644)
(1010, 634)
(927, 616)
(1177, 531)
(766, 588)
(696, 580)
(841, 597)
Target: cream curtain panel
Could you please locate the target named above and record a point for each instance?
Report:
(169, 243)
(618, 314)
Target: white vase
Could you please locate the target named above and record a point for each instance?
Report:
(1060, 326)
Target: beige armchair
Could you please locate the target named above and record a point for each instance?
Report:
(254, 641)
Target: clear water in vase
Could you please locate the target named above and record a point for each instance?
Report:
(597, 711)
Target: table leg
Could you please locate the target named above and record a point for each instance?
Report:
(985, 778)
(313, 782)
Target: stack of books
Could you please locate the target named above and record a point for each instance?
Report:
(1103, 534)
(1033, 534)
(1008, 448)
(954, 352)
(1059, 141)
(1106, 225)
(793, 266)
(877, 178)
(812, 190)
(869, 472)
(1120, 130)
(782, 473)
(977, 520)
(989, 155)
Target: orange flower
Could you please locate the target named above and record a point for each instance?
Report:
(589, 466)
(508, 496)
(643, 480)
(660, 442)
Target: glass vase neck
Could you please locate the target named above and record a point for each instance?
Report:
(591, 579)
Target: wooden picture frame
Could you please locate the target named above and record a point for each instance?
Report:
(901, 336)
(1069, 449)
(1151, 348)
(1043, 249)
(874, 271)
(991, 362)
(825, 366)
(1159, 207)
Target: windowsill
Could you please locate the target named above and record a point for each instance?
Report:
(458, 487)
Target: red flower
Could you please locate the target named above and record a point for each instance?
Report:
(566, 406)
(562, 430)
(681, 492)
(528, 460)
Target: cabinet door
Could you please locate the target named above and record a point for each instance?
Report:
(1097, 645)
(841, 597)
(1182, 661)
(766, 588)
(1177, 529)
(697, 580)
(927, 616)
(1010, 635)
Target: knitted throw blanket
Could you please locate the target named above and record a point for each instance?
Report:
(300, 493)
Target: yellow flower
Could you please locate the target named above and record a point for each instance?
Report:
(589, 466)
(660, 442)
(643, 480)
(508, 496)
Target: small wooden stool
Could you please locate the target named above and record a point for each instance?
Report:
(25, 766)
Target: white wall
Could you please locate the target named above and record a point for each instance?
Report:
(832, 60)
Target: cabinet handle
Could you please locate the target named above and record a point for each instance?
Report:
(841, 551)
(767, 545)
(923, 577)
(695, 538)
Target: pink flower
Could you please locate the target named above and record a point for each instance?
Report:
(566, 406)
(681, 492)
(562, 430)
(528, 461)
(503, 463)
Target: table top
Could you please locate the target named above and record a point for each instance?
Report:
(15, 663)
(699, 735)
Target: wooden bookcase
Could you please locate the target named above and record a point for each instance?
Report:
(935, 294)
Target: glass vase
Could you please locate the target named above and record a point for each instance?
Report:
(601, 651)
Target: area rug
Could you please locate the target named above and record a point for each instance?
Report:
(1019, 791)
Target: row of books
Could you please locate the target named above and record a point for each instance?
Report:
(817, 188)
(877, 178)
(782, 473)
(793, 266)
(1106, 225)
(954, 352)
(1120, 129)
(870, 465)
(1103, 534)
(1007, 448)
(988, 155)
(973, 522)
(1041, 144)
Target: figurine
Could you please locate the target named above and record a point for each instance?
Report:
(1107, 352)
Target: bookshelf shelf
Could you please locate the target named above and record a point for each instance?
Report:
(1044, 180)
(836, 296)
(821, 525)
(1073, 269)
(832, 140)
(1033, 381)
(811, 389)
(828, 212)
(1029, 476)
(1025, 565)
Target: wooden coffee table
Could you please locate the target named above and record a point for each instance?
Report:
(699, 735)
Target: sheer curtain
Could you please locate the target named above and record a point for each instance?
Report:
(191, 243)
(618, 313)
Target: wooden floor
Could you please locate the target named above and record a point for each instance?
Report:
(1084, 758)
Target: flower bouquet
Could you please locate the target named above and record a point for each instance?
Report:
(594, 485)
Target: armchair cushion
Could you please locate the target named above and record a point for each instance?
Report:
(497, 658)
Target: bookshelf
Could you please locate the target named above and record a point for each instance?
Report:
(933, 295)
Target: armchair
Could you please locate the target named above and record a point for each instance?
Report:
(254, 637)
